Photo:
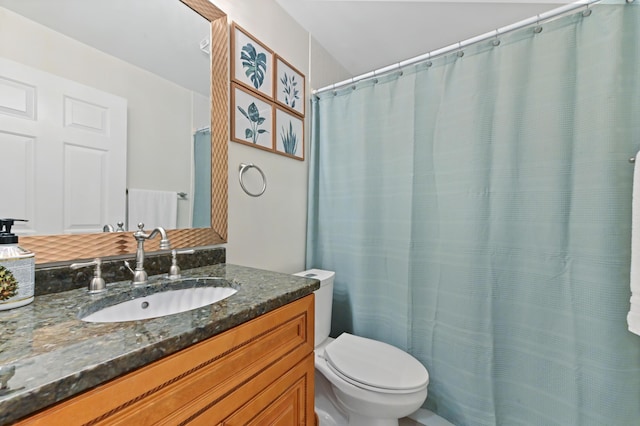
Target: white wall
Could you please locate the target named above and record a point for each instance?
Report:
(324, 69)
(159, 111)
(269, 231)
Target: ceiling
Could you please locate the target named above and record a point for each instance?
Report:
(364, 35)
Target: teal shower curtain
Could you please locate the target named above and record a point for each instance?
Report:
(477, 214)
(202, 179)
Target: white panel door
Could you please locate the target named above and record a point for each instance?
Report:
(66, 148)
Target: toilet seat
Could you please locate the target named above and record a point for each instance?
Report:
(374, 365)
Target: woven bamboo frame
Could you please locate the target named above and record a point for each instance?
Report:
(61, 248)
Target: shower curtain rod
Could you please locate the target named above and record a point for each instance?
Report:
(458, 46)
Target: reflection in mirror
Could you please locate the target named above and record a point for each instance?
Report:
(146, 107)
(115, 109)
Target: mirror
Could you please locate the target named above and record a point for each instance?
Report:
(142, 170)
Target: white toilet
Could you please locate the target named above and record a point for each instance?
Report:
(360, 381)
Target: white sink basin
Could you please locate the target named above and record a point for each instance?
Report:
(161, 304)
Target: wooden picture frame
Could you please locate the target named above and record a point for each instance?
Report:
(289, 86)
(251, 62)
(252, 118)
(288, 134)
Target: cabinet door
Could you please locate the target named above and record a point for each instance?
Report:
(286, 402)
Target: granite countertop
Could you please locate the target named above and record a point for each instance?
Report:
(56, 355)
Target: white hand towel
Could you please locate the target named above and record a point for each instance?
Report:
(633, 318)
(153, 208)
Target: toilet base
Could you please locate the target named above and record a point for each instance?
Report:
(356, 419)
(325, 419)
(325, 404)
(330, 412)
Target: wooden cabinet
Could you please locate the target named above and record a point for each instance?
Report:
(258, 373)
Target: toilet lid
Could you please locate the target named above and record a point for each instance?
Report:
(375, 364)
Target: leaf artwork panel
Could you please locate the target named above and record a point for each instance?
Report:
(252, 62)
(289, 86)
(289, 134)
(289, 139)
(253, 119)
(289, 90)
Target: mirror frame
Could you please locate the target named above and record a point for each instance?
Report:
(67, 247)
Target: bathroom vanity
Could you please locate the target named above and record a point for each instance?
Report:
(247, 359)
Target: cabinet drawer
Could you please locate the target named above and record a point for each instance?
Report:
(182, 386)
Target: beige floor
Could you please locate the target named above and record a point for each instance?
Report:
(408, 422)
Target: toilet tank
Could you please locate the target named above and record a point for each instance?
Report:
(323, 302)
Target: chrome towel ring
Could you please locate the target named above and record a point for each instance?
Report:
(244, 168)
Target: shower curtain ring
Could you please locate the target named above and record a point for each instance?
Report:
(428, 63)
(538, 27)
(400, 72)
(586, 12)
(460, 53)
(496, 40)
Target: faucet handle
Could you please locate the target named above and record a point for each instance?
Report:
(174, 270)
(109, 227)
(128, 266)
(97, 284)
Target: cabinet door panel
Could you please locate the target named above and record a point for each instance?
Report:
(284, 402)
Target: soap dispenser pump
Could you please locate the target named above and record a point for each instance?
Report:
(17, 269)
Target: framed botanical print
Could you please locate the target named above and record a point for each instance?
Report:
(267, 97)
(289, 134)
(289, 86)
(251, 62)
(251, 118)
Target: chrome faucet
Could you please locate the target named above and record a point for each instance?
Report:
(140, 275)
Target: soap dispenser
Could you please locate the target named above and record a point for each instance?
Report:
(17, 269)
